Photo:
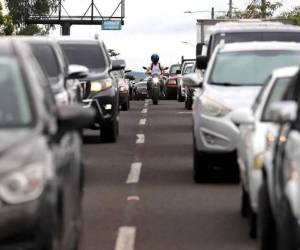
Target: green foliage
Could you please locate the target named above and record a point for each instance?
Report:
(293, 15)
(21, 9)
(6, 24)
(255, 11)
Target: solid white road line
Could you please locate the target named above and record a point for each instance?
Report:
(144, 111)
(126, 238)
(140, 139)
(134, 174)
(142, 122)
(185, 113)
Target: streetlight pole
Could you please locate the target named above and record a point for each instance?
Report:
(230, 9)
(263, 8)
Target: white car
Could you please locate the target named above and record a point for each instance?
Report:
(251, 145)
(232, 80)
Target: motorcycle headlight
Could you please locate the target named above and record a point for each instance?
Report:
(23, 185)
(98, 86)
(213, 108)
(155, 80)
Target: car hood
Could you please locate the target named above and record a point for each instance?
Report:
(232, 96)
(19, 147)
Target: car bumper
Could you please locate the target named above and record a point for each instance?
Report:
(105, 105)
(215, 134)
(25, 222)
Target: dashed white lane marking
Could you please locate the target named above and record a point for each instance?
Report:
(142, 122)
(185, 113)
(144, 111)
(134, 174)
(133, 198)
(126, 238)
(140, 139)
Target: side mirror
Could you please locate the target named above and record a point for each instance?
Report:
(74, 117)
(166, 68)
(178, 72)
(199, 49)
(145, 68)
(201, 62)
(77, 71)
(118, 65)
(192, 80)
(242, 116)
(128, 71)
(283, 111)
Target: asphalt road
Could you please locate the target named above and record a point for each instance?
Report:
(154, 204)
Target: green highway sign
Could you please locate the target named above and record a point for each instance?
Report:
(111, 24)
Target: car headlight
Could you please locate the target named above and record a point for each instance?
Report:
(98, 86)
(23, 185)
(155, 80)
(258, 161)
(213, 108)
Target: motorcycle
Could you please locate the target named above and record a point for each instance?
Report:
(154, 86)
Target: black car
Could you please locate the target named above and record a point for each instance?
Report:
(100, 87)
(140, 91)
(40, 190)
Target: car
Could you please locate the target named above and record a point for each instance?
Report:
(140, 91)
(278, 211)
(232, 80)
(184, 69)
(253, 125)
(190, 90)
(123, 85)
(40, 188)
(171, 82)
(233, 32)
(100, 87)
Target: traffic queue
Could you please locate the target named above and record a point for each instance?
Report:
(245, 94)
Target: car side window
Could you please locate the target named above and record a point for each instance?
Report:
(260, 94)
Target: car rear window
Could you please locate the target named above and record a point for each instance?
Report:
(89, 55)
(47, 59)
(256, 36)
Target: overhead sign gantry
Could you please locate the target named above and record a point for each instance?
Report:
(111, 22)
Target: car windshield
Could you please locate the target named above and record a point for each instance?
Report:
(250, 67)
(14, 103)
(174, 68)
(47, 59)
(89, 55)
(277, 94)
(256, 36)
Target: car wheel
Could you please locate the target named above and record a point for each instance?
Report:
(109, 132)
(180, 98)
(286, 235)
(252, 221)
(266, 222)
(244, 203)
(125, 106)
(188, 104)
(200, 164)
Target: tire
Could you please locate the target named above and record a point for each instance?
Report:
(188, 104)
(109, 132)
(125, 106)
(252, 221)
(286, 226)
(155, 96)
(266, 222)
(200, 164)
(244, 203)
(180, 98)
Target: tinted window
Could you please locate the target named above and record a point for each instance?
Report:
(89, 55)
(251, 67)
(14, 103)
(256, 36)
(47, 59)
(276, 94)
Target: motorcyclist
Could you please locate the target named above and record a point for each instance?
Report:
(156, 69)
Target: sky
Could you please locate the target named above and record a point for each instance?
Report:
(152, 26)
